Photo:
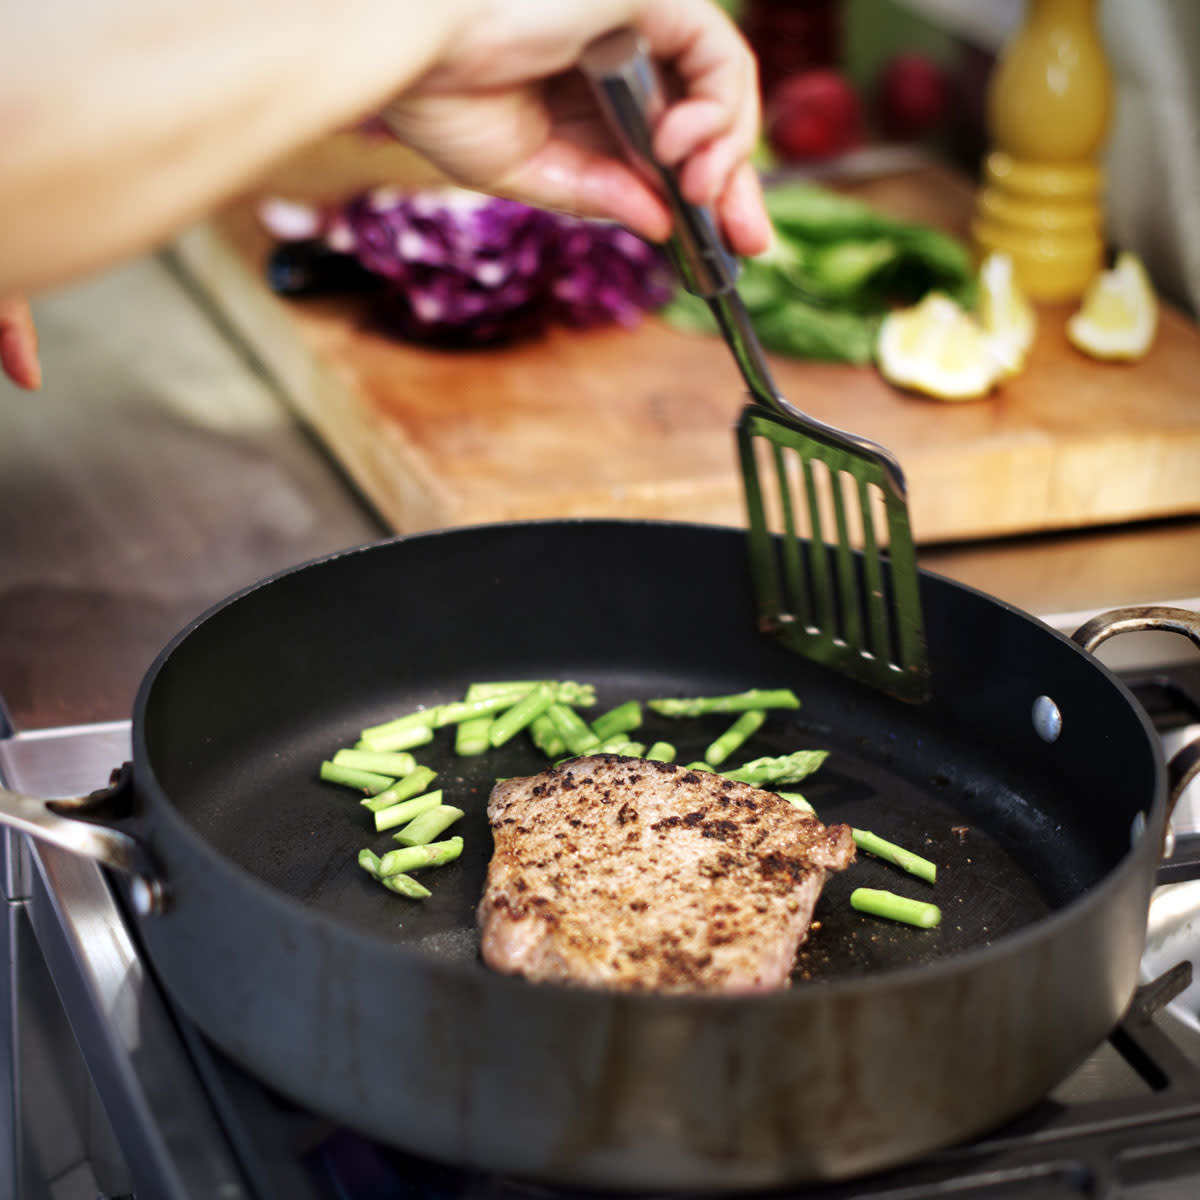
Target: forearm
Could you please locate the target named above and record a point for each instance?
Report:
(123, 120)
(147, 114)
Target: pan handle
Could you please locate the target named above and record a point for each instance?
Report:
(1150, 618)
(47, 820)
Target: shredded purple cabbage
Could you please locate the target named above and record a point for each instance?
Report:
(462, 268)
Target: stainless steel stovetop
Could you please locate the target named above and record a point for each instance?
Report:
(115, 1094)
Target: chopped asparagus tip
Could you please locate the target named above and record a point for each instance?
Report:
(405, 737)
(896, 908)
(412, 784)
(914, 864)
(369, 861)
(578, 695)
(471, 736)
(699, 706)
(797, 801)
(786, 768)
(427, 826)
(545, 736)
(623, 719)
(405, 885)
(393, 763)
(510, 722)
(661, 752)
(363, 781)
(422, 717)
(401, 814)
(572, 728)
(701, 766)
(749, 723)
(411, 858)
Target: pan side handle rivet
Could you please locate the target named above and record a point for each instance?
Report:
(1137, 828)
(1047, 720)
(147, 896)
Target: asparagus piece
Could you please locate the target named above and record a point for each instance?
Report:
(572, 728)
(516, 688)
(546, 737)
(661, 752)
(401, 737)
(419, 718)
(748, 724)
(405, 885)
(465, 710)
(428, 825)
(402, 813)
(622, 719)
(621, 745)
(566, 691)
(896, 908)
(471, 736)
(416, 728)
(797, 801)
(412, 784)
(698, 706)
(914, 864)
(514, 719)
(786, 768)
(364, 781)
(411, 858)
(393, 763)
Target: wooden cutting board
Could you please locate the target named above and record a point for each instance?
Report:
(639, 423)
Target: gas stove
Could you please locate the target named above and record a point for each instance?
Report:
(114, 1093)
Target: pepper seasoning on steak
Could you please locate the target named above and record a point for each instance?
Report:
(637, 875)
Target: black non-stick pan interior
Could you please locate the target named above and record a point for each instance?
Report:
(243, 708)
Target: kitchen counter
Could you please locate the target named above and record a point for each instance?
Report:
(161, 469)
(155, 473)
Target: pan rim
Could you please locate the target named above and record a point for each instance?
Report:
(1046, 929)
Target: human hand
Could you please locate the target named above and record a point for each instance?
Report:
(18, 343)
(504, 111)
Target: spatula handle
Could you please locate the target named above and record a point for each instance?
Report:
(628, 89)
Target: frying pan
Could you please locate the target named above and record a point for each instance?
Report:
(1032, 778)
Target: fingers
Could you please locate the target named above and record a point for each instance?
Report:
(544, 145)
(18, 344)
(541, 139)
(710, 134)
(564, 176)
(742, 215)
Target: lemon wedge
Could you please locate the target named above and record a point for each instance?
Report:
(938, 348)
(1005, 313)
(1118, 316)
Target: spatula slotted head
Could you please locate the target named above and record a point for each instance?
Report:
(831, 554)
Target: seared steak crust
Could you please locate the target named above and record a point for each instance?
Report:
(637, 875)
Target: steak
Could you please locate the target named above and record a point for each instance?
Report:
(637, 875)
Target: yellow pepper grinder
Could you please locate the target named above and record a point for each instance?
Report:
(1048, 109)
